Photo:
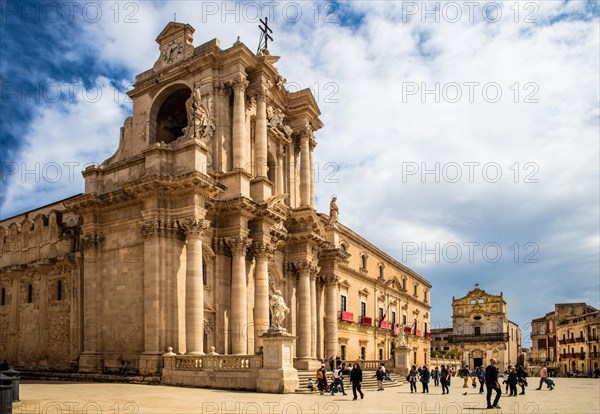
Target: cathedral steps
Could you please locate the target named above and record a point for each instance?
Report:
(369, 381)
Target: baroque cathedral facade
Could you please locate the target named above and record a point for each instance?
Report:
(179, 239)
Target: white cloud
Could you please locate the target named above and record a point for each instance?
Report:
(371, 130)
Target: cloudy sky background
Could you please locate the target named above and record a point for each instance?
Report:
(528, 159)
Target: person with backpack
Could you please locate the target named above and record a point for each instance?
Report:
(444, 376)
(512, 382)
(322, 379)
(480, 372)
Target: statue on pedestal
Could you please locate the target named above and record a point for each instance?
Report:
(278, 309)
(333, 211)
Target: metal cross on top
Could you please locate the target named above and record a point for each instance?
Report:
(264, 35)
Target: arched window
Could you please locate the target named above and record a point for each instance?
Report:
(404, 284)
(363, 262)
(343, 247)
(381, 271)
(168, 115)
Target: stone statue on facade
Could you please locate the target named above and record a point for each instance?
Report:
(278, 309)
(333, 211)
(200, 121)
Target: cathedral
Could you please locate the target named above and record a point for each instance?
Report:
(204, 212)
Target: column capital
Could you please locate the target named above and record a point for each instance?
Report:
(263, 250)
(238, 245)
(312, 143)
(239, 84)
(308, 266)
(262, 92)
(194, 227)
(331, 280)
(91, 240)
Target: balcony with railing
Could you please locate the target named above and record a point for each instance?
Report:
(428, 335)
(407, 330)
(366, 320)
(384, 325)
(491, 337)
(347, 316)
(579, 339)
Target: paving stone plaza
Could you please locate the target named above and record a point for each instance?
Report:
(571, 395)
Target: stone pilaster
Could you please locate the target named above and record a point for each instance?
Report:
(306, 347)
(239, 123)
(320, 330)
(239, 313)
(194, 285)
(263, 254)
(91, 357)
(331, 319)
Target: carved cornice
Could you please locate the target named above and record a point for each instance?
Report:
(91, 240)
(161, 228)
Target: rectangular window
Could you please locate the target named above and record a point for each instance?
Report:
(363, 309)
(380, 314)
(343, 303)
(478, 330)
(403, 319)
(425, 327)
(59, 290)
(363, 352)
(393, 317)
(3, 296)
(380, 354)
(29, 294)
(343, 352)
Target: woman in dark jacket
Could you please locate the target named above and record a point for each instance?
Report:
(521, 379)
(445, 379)
(412, 379)
(425, 377)
(512, 382)
(356, 380)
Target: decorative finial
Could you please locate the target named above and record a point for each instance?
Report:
(238, 41)
(476, 285)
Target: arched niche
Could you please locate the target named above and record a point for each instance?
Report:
(168, 115)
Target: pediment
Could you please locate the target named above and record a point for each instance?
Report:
(345, 284)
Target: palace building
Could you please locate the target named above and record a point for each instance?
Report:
(480, 331)
(182, 236)
(567, 340)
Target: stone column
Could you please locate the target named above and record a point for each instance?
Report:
(331, 319)
(320, 331)
(239, 313)
(280, 163)
(305, 170)
(194, 286)
(304, 308)
(313, 315)
(263, 253)
(261, 132)
(312, 144)
(239, 123)
(91, 357)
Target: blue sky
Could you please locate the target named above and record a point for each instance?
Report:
(471, 131)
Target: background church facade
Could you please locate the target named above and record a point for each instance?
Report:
(179, 238)
(481, 330)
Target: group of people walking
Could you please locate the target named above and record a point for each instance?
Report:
(481, 376)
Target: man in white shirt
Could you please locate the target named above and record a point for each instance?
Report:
(543, 376)
(338, 380)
